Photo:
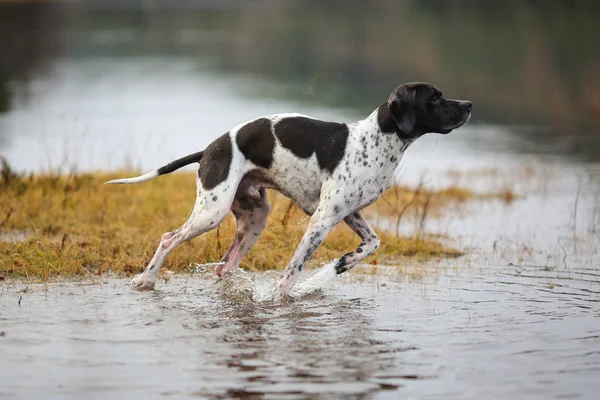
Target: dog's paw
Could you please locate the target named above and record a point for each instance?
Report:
(283, 290)
(282, 298)
(224, 270)
(220, 270)
(141, 282)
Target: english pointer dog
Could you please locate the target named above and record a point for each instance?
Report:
(330, 170)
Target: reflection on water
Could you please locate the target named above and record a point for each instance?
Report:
(497, 333)
(77, 75)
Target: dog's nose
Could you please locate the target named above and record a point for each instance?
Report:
(469, 105)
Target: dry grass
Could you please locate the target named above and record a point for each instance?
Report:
(75, 225)
(399, 196)
(400, 203)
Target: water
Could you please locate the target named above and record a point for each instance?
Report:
(100, 86)
(495, 333)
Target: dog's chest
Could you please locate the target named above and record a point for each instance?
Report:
(371, 157)
(368, 166)
(298, 178)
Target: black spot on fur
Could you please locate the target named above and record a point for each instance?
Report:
(305, 136)
(341, 265)
(214, 166)
(215, 198)
(256, 142)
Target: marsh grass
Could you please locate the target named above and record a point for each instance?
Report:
(73, 224)
(420, 204)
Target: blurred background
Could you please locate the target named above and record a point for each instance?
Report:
(105, 84)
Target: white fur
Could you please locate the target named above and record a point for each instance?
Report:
(330, 198)
(142, 178)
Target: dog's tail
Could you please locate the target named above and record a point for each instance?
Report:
(167, 169)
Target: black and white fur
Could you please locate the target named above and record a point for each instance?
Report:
(330, 170)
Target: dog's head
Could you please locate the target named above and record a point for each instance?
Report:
(414, 109)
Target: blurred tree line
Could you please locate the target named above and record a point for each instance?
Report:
(527, 62)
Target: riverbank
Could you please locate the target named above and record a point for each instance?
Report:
(73, 225)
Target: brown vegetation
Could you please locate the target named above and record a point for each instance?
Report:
(53, 225)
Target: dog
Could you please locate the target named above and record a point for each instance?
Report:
(330, 170)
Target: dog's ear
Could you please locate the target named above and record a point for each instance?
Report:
(402, 107)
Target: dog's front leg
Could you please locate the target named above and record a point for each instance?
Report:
(370, 243)
(318, 228)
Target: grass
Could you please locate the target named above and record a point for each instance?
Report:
(53, 225)
(420, 204)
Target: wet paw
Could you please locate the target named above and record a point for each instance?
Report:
(282, 298)
(220, 270)
(283, 290)
(141, 282)
(223, 270)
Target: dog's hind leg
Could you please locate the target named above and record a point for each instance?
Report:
(208, 213)
(251, 210)
(370, 243)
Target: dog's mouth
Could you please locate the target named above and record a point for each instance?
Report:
(457, 125)
(468, 118)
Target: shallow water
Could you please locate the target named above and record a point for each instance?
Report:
(485, 332)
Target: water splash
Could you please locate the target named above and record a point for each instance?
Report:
(262, 287)
(203, 268)
(316, 280)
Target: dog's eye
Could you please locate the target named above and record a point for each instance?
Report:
(435, 98)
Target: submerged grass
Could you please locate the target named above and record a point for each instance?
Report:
(53, 225)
